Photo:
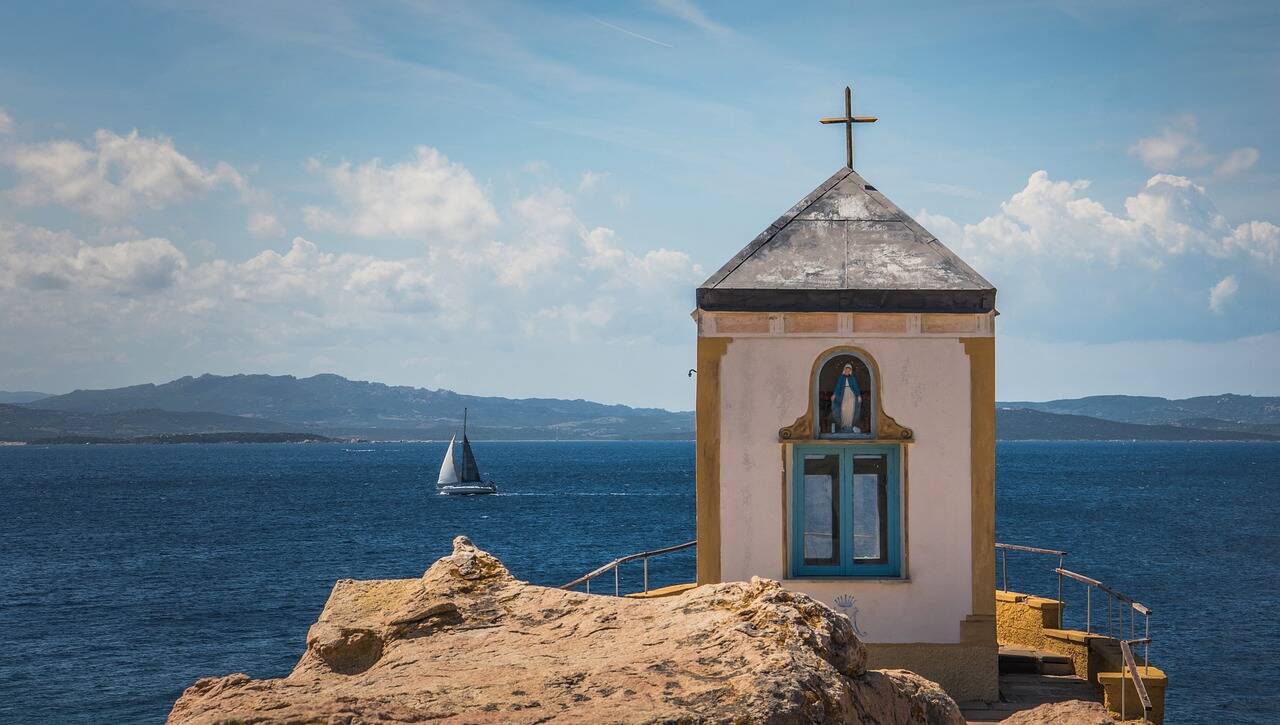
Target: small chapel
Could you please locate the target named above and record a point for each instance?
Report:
(846, 427)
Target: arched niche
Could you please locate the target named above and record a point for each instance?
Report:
(873, 422)
(844, 397)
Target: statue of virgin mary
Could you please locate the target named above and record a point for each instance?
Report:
(846, 402)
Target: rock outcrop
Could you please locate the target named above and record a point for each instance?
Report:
(1070, 712)
(469, 643)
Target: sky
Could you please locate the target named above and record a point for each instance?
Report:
(519, 199)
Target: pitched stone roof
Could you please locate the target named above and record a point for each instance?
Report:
(846, 247)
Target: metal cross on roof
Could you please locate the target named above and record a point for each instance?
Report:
(848, 120)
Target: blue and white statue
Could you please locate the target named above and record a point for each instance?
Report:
(846, 402)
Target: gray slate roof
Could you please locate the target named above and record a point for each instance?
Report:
(846, 248)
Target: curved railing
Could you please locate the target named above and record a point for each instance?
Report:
(613, 565)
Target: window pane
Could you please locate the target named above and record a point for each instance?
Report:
(821, 505)
(870, 524)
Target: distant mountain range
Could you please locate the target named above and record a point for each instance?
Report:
(1243, 413)
(334, 405)
(20, 396)
(24, 423)
(331, 405)
(1021, 424)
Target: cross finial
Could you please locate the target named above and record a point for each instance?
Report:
(848, 120)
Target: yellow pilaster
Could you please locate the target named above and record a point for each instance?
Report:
(711, 351)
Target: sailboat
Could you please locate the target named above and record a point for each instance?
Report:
(467, 481)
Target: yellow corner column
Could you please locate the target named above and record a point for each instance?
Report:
(711, 351)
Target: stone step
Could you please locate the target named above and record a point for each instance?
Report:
(1014, 660)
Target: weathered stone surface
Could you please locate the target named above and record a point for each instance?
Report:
(1071, 712)
(469, 643)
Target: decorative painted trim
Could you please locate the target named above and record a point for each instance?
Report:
(887, 430)
(949, 323)
(711, 351)
(758, 322)
(843, 324)
(982, 461)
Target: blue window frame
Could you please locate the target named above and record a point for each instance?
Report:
(846, 511)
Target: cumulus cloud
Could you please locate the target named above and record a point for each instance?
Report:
(1169, 216)
(6, 121)
(549, 277)
(39, 259)
(1222, 292)
(428, 196)
(1061, 258)
(114, 175)
(1175, 147)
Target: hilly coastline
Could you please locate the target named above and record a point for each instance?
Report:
(334, 405)
(209, 408)
(1022, 424)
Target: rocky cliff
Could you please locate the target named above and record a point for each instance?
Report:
(469, 643)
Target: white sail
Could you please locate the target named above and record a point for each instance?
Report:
(448, 474)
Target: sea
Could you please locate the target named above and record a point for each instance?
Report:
(127, 572)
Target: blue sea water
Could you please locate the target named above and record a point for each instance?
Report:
(127, 572)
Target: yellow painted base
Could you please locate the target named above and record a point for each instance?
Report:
(1153, 679)
(968, 672)
(1021, 619)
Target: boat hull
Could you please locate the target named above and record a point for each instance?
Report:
(467, 489)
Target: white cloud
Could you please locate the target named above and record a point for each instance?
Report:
(1169, 216)
(1063, 261)
(114, 175)
(1238, 161)
(38, 259)
(265, 224)
(1173, 147)
(1222, 293)
(1176, 147)
(1258, 240)
(591, 180)
(690, 13)
(425, 197)
(549, 279)
(6, 121)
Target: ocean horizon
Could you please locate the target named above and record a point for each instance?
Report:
(130, 571)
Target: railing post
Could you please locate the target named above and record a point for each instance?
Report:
(1146, 634)
(1004, 567)
(1061, 604)
(615, 580)
(1123, 685)
(646, 575)
(588, 586)
(1088, 608)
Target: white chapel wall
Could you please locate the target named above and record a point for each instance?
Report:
(925, 386)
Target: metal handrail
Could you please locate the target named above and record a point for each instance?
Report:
(1135, 608)
(1095, 583)
(1031, 549)
(1004, 550)
(586, 578)
(1138, 685)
